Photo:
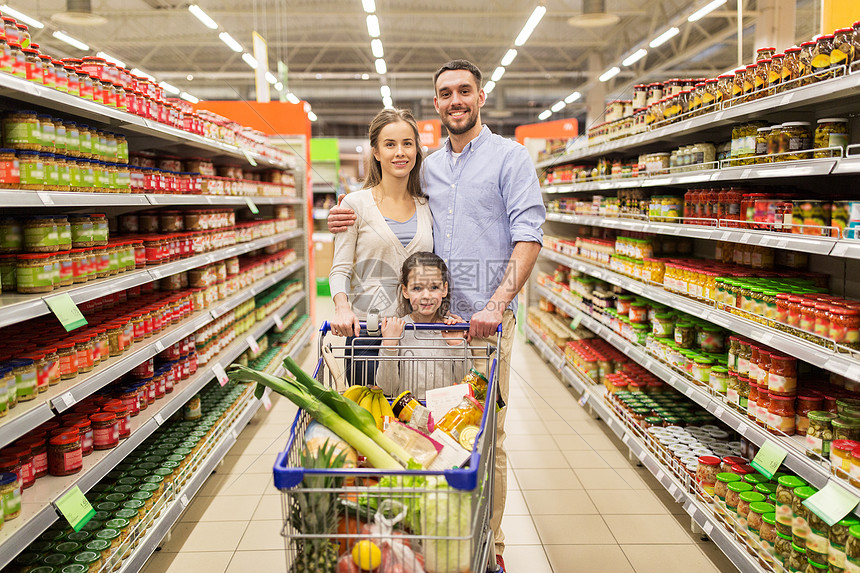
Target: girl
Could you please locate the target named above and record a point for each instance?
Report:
(441, 358)
(392, 221)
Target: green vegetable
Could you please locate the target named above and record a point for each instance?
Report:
(446, 512)
(296, 393)
(349, 411)
(410, 498)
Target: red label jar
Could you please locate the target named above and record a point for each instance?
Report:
(64, 454)
(105, 431)
(24, 455)
(39, 447)
(123, 417)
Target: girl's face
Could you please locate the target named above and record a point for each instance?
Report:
(425, 290)
(396, 149)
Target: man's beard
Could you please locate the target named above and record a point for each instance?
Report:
(470, 123)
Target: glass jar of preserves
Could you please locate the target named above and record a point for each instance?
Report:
(781, 415)
(784, 494)
(841, 455)
(760, 79)
(807, 402)
(761, 145)
(105, 431)
(846, 428)
(831, 132)
(800, 520)
(64, 454)
(10, 492)
(838, 539)
(845, 326)
(796, 138)
(774, 73)
(749, 77)
(820, 63)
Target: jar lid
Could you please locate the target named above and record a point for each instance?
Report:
(103, 417)
(769, 517)
(728, 477)
(65, 438)
(849, 521)
(755, 479)
(833, 120)
(805, 492)
(762, 507)
(751, 496)
(796, 124)
(791, 482)
(846, 423)
(740, 487)
(766, 488)
(108, 534)
(854, 530)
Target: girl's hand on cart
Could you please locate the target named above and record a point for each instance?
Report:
(454, 319)
(454, 337)
(345, 323)
(392, 327)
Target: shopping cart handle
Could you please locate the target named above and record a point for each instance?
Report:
(326, 326)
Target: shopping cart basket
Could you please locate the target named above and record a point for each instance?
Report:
(440, 519)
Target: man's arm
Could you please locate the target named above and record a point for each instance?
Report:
(485, 322)
(340, 218)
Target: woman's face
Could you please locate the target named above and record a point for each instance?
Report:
(396, 150)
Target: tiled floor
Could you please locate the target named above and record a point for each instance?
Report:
(575, 504)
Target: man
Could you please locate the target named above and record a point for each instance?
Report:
(487, 216)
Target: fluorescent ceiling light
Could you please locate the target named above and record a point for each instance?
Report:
(231, 43)
(381, 68)
(489, 86)
(279, 86)
(111, 59)
(369, 6)
(250, 60)
(373, 26)
(387, 102)
(203, 16)
(530, 26)
(9, 11)
(291, 97)
(63, 37)
(385, 91)
(140, 73)
(704, 11)
(636, 56)
(572, 97)
(376, 48)
(609, 74)
(169, 88)
(509, 57)
(312, 116)
(498, 73)
(558, 106)
(270, 77)
(664, 37)
(544, 114)
(188, 97)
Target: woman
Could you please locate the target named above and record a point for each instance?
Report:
(393, 221)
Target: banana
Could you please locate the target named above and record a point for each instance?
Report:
(366, 401)
(375, 408)
(355, 393)
(385, 407)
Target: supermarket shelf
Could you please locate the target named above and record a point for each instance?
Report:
(16, 308)
(153, 538)
(842, 90)
(158, 199)
(801, 349)
(38, 513)
(26, 91)
(62, 397)
(796, 459)
(781, 170)
(788, 241)
(704, 518)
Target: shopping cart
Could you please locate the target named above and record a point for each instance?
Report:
(419, 523)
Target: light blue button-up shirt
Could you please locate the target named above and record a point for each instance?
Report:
(482, 204)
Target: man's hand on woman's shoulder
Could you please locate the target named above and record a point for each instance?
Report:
(340, 218)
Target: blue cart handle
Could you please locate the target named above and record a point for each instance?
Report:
(326, 326)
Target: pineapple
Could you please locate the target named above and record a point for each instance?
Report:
(316, 512)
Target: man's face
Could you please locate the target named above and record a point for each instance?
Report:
(458, 100)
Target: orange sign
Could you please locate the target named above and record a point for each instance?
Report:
(430, 132)
(558, 129)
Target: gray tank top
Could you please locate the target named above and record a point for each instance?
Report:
(406, 231)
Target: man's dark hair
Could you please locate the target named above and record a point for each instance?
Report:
(459, 65)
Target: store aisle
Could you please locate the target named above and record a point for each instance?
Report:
(575, 504)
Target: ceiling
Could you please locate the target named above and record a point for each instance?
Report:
(326, 47)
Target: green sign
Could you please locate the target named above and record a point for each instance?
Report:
(574, 324)
(768, 459)
(832, 503)
(75, 508)
(252, 206)
(66, 311)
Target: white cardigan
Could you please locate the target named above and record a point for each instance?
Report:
(368, 256)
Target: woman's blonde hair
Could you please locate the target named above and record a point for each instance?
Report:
(374, 169)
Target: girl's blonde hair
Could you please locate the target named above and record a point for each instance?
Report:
(374, 169)
(424, 259)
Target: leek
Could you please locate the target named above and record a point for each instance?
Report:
(355, 436)
(349, 411)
